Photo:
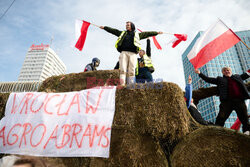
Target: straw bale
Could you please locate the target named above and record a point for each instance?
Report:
(3, 99)
(79, 81)
(212, 146)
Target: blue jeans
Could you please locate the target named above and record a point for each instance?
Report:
(144, 75)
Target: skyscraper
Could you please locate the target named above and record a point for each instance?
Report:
(237, 57)
(40, 63)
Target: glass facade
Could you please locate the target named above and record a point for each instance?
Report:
(237, 57)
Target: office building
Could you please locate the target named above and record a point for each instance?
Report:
(40, 63)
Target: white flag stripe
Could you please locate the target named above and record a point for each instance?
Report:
(208, 36)
(78, 26)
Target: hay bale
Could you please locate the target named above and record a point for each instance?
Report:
(3, 100)
(160, 111)
(212, 146)
(132, 149)
(79, 81)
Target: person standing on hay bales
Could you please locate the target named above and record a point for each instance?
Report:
(128, 44)
(144, 66)
(233, 93)
(92, 66)
(191, 106)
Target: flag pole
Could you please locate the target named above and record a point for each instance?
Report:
(168, 33)
(95, 25)
(244, 43)
(90, 23)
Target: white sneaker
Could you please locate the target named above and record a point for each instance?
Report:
(247, 133)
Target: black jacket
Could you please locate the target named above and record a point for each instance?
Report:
(222, 84)
(89, 67)
(148, 48)
(127, 42)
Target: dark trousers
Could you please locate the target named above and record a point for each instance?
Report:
(144, 75)
(197, 116)
(226, 108)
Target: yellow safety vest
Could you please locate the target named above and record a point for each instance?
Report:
(147, 62)
(136, 40)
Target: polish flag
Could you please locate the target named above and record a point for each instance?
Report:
(212, 43)
(81, 28)
(178, 39)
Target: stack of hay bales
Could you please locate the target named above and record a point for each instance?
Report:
(152, 127)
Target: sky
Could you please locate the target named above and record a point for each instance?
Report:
(34, 22)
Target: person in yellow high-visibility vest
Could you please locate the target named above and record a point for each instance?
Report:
(128, 44)
(144, 66)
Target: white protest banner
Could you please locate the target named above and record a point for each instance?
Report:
(72, 124)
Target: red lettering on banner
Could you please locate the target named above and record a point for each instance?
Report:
(86, 133)
(74, 135)
(52, 137)
(45, 105)
(96, 133)
(66, 130)
(110, 83)
(91, 107)
(90, 82)
(100, 82)
(104, 134)
(74, 102)
(35, 111)
(119, 83)
(13, 135)
(13, 110)
(2, 135)
(60, 105)
(44, 131)
(28, 96)
(25, 132)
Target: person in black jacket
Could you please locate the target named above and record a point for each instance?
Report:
(128, 44)
(92, 66)
(233, 93)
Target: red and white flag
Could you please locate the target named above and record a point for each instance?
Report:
(178, 38)
(212, 43)
(81, 29)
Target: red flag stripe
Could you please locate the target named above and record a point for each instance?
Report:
(214, 48)
(81, 40)
(236, 125)
(158, 46)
